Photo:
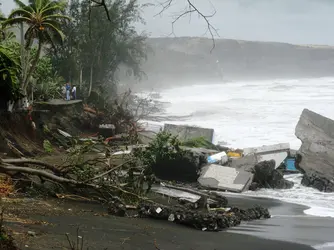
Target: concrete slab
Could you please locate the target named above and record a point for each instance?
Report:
(267, 148)
(279, 157)
(317, 150)
(225, 178)
(246, 163)
(277, 152)
(185, 132)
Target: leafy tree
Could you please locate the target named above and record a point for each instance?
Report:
(42, 18)
(95, 47)
(9, 70)
(46, 82)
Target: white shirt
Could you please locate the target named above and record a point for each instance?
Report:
(74, 89)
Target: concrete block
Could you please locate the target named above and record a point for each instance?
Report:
(267, 149)
(225, 178)
(317, 150)
(279, 157)
(185, 132)
(246, 163)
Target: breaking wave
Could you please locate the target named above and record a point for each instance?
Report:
(320, 204)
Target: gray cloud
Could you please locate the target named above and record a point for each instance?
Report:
(293, 21)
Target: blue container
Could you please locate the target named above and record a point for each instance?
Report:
(290, 165)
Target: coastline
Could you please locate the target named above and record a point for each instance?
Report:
(102, 231)
(289, 223)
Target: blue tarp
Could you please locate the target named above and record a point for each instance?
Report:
(290, 165)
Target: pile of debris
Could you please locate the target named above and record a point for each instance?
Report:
(263, 167)
(216, 220)
(240, 170)
(209, 212)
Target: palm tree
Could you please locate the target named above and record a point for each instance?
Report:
(42, 18)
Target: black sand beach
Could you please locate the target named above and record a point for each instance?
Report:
(51, 219)
(289, 223)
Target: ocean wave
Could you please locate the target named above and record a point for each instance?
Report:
(318, 203)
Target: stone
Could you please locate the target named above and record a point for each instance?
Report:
(225, 178)
(266, 176)
(186, 133)
(184, 169)
(316, 133)
(116, 207)
(32, 233)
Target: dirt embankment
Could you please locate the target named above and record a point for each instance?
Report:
(22, 133)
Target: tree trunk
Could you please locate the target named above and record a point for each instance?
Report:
(90, 80)
(32, 68)
(80, 78)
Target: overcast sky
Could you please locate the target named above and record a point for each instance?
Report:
(293, 21)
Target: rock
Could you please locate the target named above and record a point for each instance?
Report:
(254, 186)
(184, 169)
(116, 207)
(266, 176)
(317, 150)
(32, 233)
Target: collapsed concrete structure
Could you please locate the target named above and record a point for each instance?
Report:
(185, 132)
(225, 178)
(317, 150)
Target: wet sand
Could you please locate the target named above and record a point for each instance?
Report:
(51, 219)
(289, 223)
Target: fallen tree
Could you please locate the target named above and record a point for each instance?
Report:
(123, 181)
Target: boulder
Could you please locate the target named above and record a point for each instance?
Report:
(185, 169)
(266, 176)
(317, 150)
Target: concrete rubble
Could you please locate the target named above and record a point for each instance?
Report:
(253, 156)
(225, 178)
(185, 132)
(317, 150)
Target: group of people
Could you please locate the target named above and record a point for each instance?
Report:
(69, 92)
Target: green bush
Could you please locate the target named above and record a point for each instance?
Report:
(47, 146)
(167, 160)
(199, 142)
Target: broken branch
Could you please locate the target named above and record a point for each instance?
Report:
(191, 8)
(24, 161)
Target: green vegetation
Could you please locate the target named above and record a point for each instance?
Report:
(42, 18)
(164, 156)
(199, 142)
(68, 41)
(47, 146)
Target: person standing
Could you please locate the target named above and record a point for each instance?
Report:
(74, 92)
(68, 88)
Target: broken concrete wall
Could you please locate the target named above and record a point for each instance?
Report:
(252, 156)
(276, 152)
(185, 132)
(225, 178)
(317, 150)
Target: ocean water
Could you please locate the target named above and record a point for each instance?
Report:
(247, 114)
